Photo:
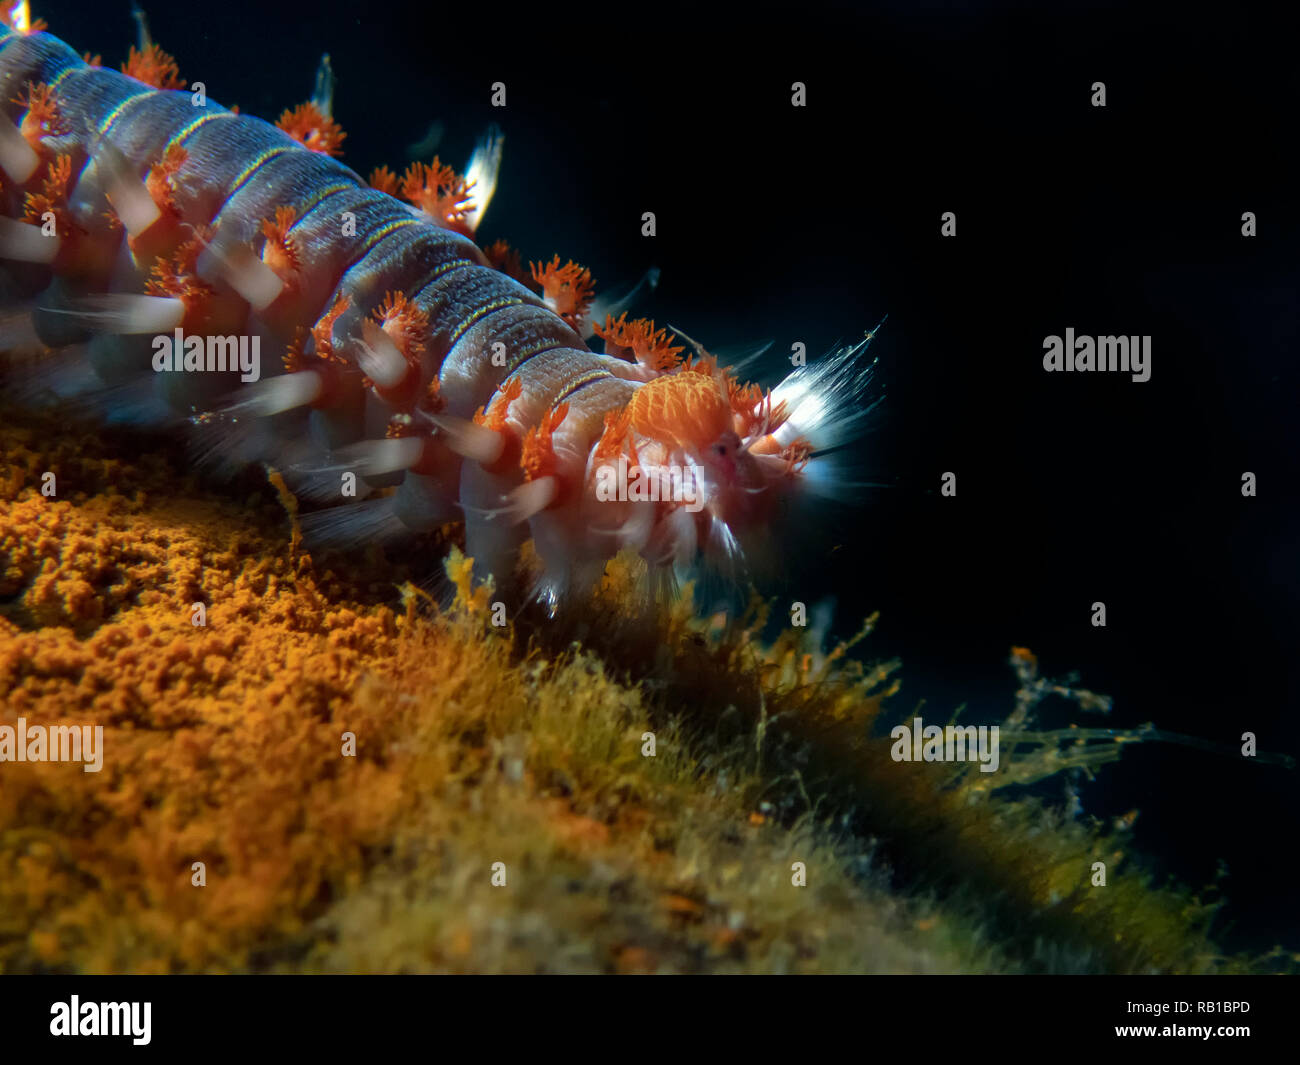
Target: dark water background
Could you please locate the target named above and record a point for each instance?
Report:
(809, 225)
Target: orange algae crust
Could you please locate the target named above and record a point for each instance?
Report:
(348, 760)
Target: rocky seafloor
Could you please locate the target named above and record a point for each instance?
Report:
(376, 778)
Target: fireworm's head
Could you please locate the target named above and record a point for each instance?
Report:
(704, 461)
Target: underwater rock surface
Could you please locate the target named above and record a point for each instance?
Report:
(227, 744)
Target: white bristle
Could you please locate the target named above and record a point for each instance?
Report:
(554, 541)
(355, 524)
(370, 458)
(244, 272)
(125, 189)
(20, 15)
(722, 542)
(422, 502)
(388, 456)
(276, 394)
(481, 175)
(827, 400)
(225, 446)
(681, 536)
(17, 158)
(603, 306)
(26, 243)
(57, 377)
(528, 499)
(17, 333)
(634, 532)
(131, 403)
(378, 357)
(468, 439)
(124, 313)
(323, 96)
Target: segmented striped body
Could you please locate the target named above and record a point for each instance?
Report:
(491, 344)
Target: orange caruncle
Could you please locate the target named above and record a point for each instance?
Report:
(406, 325)
(280, 252)
(384, 180)
(685, 411)
(650, 346)
(439, 192)
(313, 129)
(176, 275)
(161, 180)
(322, 331)
(538, 458)
(499, 406)
(43, 118)
(567, 289)
(52, 199)
(154, 67)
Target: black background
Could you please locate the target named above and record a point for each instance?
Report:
(810, 224)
